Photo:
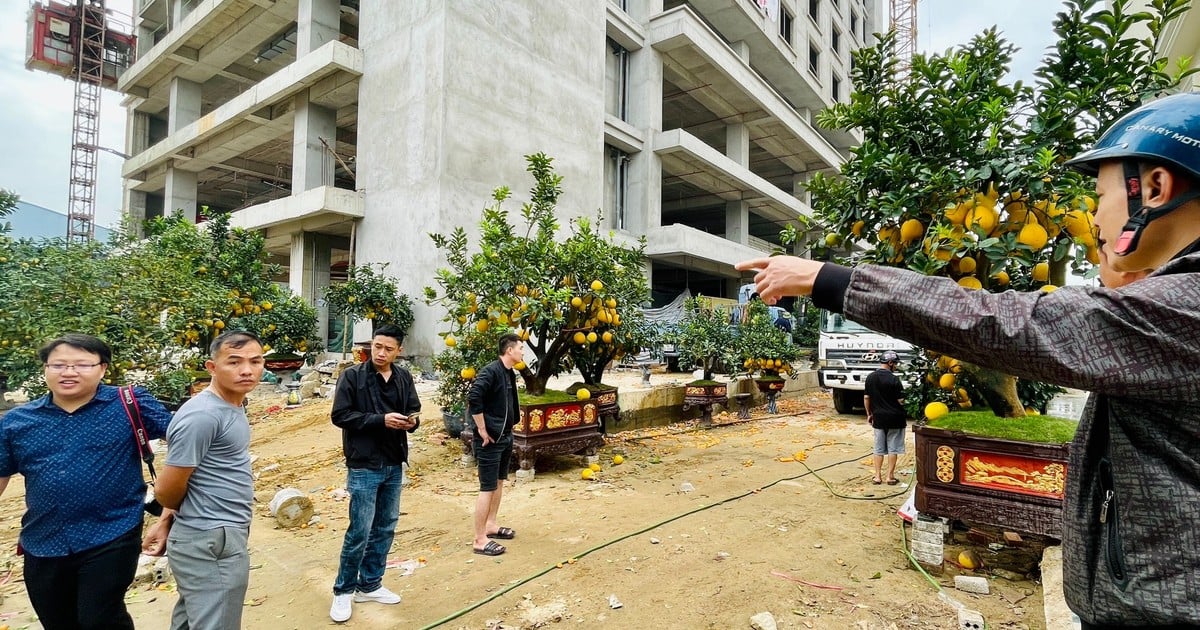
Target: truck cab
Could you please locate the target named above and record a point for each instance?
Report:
(847, 352)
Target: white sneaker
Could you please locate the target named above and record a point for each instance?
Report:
(381, 595)
(341, 608)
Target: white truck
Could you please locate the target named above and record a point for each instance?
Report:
(847, 352)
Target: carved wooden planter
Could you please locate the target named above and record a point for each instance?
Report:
(605, 397)
(771, 385)
(290, 362)
(705, 394)
(556, 429)
(1006, 483)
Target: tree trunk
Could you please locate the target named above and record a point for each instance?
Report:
(999, 390)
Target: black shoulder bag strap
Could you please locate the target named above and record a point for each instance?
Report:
(134, 413)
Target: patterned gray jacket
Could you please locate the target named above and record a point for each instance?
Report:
(1131, 521)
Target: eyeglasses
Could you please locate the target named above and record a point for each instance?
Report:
(76, 367)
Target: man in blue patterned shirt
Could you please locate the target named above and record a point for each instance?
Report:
(84, 489)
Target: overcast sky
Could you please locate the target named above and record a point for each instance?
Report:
(35, 107)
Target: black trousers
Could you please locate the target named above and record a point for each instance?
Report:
(85, 590)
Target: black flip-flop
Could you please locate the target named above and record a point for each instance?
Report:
(892, 482)
(877, 481)
(493, 548)
(504, 533)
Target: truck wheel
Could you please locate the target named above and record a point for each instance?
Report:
(844, 400)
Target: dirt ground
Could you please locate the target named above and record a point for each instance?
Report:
(758, 531)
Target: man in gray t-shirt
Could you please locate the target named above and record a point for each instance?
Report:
(208, 489)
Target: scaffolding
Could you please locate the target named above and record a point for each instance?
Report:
(85, 129)
(904, 24)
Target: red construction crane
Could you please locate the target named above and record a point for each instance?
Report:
(80, 42)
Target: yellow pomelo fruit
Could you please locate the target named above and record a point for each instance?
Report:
(832, 240)
(597, 285)
(946, 381)
(857, 228)
(451, 341)
(1034, 236)
(911, 230)
(969, 559)
(618, 460)
(983, 219)
(935, 410)
(957, 213)
(1001, 278)
(1049, 288)
(579, 338)
(1041, 272)
(482, 325)
(519, 365)
(467, 373)
(607, 337)
(594, 467)
(966, 265)
(577, 302)
(586, 474)
(592, 337)
(970, 282)
(583, 394)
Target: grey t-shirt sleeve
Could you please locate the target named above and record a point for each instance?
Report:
(190, 435)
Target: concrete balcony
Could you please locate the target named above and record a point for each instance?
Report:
(324, 209)
(258, 115)
(688, 247)
(206, 44)
(687, 157)
(771, 57)
(701, 63)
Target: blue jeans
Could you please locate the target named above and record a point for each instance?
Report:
(374, 511)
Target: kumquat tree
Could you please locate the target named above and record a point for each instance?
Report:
(576, 302)
(960, 174)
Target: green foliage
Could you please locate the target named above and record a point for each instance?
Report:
(807, 323)
(157, 302)
(762, 346)
(369, 294)
(1040, 429)
(550, 293)
(960, 174)
(704, 337)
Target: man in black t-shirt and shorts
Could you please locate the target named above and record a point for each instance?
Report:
(884, 401)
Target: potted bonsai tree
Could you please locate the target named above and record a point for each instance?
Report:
(766, 351)
(368, 294)
(704, 338)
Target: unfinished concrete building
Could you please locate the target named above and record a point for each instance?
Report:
(339, 126)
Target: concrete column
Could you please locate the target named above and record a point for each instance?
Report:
(184, 104)
(180, 193)
(643, 201)
(308, 273)
(134, 208)
(799, 181)
(175, 12)
(317, 22)
(742, 49)
(137, 132)
(737, 222)
(737, 143)
(312, 164)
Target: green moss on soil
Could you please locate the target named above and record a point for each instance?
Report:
(1040, 429)
(703, 383)
(551, 396)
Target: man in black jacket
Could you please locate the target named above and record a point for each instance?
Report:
(376, 405)
(494, 407)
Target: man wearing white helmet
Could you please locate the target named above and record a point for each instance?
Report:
(883, 398)
(1131, 539)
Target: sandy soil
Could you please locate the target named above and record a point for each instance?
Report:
(759, 532)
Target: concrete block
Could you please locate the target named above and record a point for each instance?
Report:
(927, 549)
(972, 584)
(970, 619)
(763, 621)
(930, 537)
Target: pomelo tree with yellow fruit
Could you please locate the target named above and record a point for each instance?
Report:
(960, 173)
(576, 302)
